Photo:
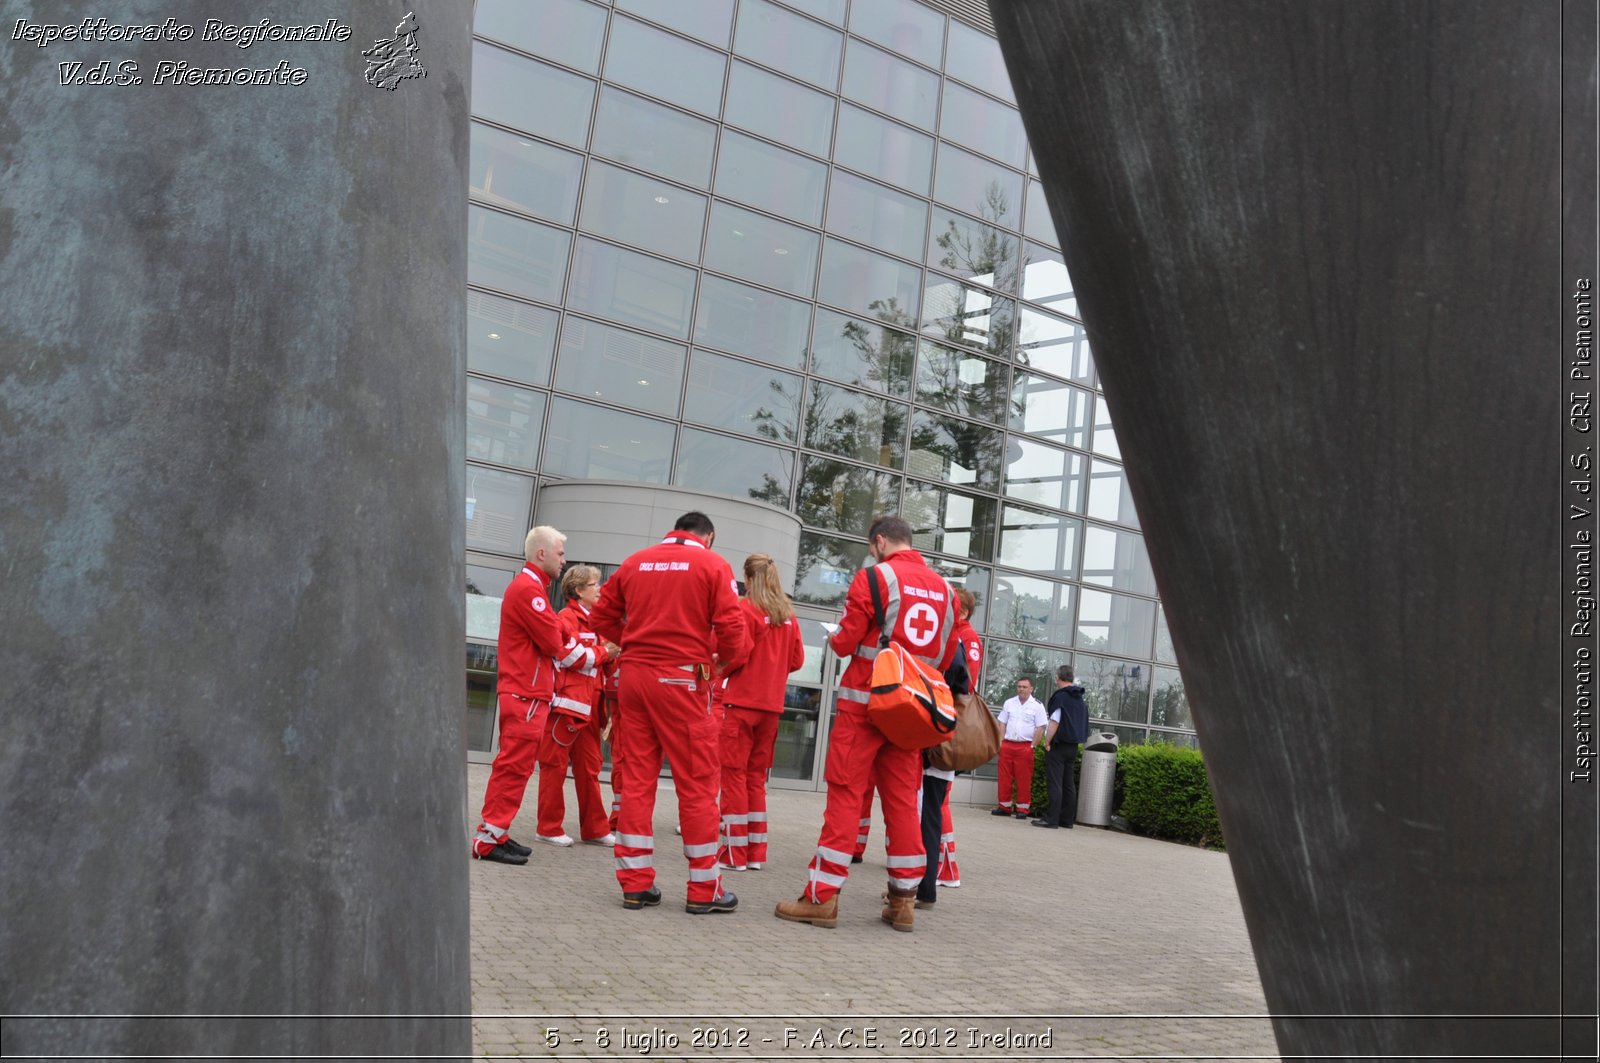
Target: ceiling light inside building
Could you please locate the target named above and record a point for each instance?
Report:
(663, 199)
(780, 250)
(494, 335)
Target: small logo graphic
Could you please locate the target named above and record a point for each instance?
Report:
(538, 605)
(391, 61)
(921, 624)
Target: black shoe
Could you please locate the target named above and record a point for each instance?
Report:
(500, 854)
(1019, 815)
(642, 899)
(857, 858)
(727, 901)
(516, 847)
(1000, 812)
(1042, 823)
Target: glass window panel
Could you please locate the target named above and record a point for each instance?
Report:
(503, 423)
(831, 10)
(1045, 475)
(855, 425)
(710, 20)
(1165, 651)
(486, 588)
(666, 67)
(780, 110)
(568, 31)
(1115, 690)
(514, 255)
(510, 339)
(1117, 559)
(1109, 496)
(1105, 439)
(975, 58)
(1039, 225)
(955, 452)
(481, 709)
(1006, 662)
(949, 522)
(825, 568)
(1045, 280)
(889, 84)
(970, 576)
(785, 41)
(498, 503)
(868, 283)
(517, 91)
(601, 444)
(1027, 607)
(751, 399)
(862, 353)
(884, 149)
(839, 497)
(974, 250)
(709, 462)
(651, 137)
(640, 210)
(978, 187)
(903, 26)
(1046, 543)
(877, 216)
(523, 175)
(961, 382)
(761, 249)
(814, 637)
(975, 317)
(1048, 408)
(1115, 623)
(752, 322)
(764, 176)
(1055, 345)
(621, 367)
(980, 123)
(632, 288)
(1170, 706)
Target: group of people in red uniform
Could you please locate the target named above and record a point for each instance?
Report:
(669, 659)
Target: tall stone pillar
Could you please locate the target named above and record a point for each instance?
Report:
(1318, 250)
(232, 342)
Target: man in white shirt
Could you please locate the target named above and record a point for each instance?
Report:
(1023, 719)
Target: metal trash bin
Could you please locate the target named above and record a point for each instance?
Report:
(1096, 779)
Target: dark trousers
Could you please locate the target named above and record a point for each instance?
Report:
(933, 791)
(1059, 761)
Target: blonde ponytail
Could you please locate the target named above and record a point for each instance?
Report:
(764, 589)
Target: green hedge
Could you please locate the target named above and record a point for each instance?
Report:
(1160, 789)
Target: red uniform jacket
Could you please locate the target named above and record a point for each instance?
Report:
(675, 603)
(919, 613)
(973, 647)
(776, 650)
(578, 682)
(531, 639)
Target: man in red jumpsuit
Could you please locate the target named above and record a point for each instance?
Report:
(531, 642)
(674, 610)
(919, 613)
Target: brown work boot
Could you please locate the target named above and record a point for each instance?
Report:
(825, 914)
(898, 908)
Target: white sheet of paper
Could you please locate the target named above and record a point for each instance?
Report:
(832, 629)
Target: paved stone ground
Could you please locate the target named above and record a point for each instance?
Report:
(1118, 947)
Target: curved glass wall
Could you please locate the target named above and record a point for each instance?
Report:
(796, 251)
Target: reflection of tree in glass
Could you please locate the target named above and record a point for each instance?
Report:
(984, 252)
(1170, 707)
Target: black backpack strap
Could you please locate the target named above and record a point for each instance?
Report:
(877, 605)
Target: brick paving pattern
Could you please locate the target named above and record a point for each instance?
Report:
(1119, 947)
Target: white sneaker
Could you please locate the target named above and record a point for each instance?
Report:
(754, 865)
(559, 839)
(605, 839)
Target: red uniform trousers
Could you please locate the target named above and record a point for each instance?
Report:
(666, 709)
(1016, 770)
(611, 703)
(856, 751)
(949, 873)
(864, 830)
(521, 729)
(576, 740)
(748, 738)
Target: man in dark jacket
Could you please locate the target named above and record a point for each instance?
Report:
(1068, 726)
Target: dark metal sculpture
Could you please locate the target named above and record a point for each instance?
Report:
(1317, 247)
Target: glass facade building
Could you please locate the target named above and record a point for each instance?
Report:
(796, 252)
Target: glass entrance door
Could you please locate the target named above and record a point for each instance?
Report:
(802, 730)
